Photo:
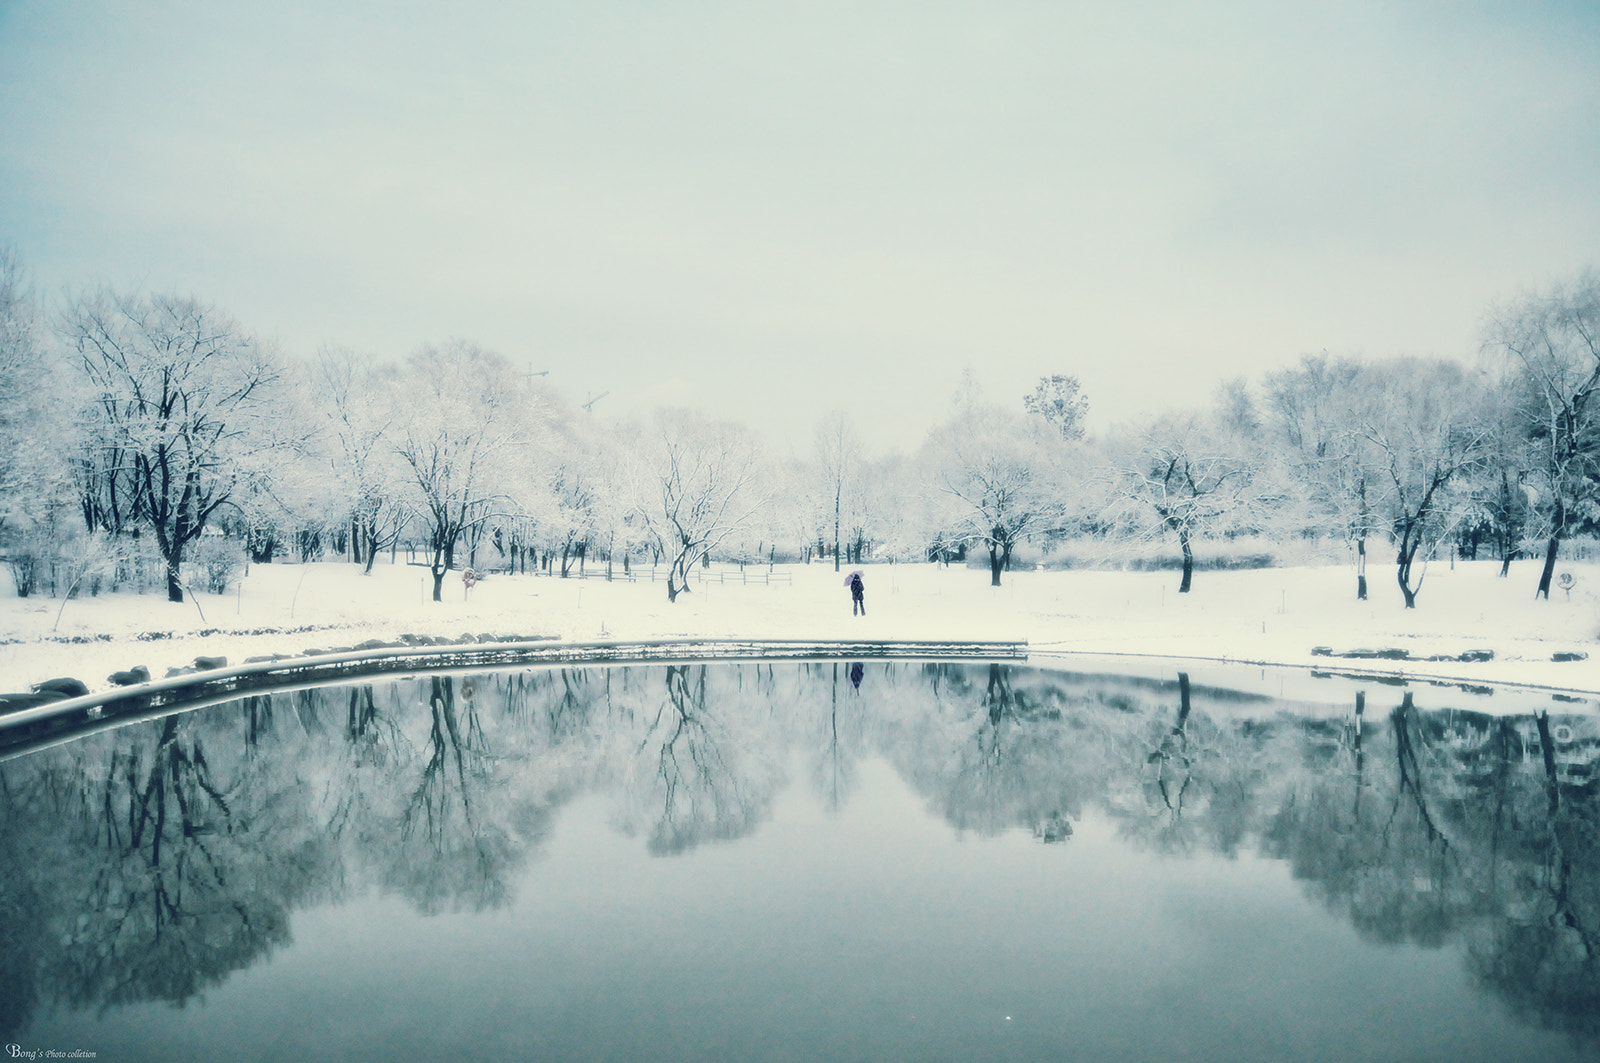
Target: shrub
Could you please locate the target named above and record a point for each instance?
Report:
(25, 567)
(217, 561)
(1159, 554)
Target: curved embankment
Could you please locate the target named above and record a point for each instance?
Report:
(27, 729)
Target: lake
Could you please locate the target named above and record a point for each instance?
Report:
(810, 861)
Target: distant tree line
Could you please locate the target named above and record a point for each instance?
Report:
(151, 440)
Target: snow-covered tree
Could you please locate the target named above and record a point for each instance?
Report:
(998, 474)
(1185, 473)
(357, 412)
(283, 494)
(897, 521)
(1550, 342)
(698, 484)
(1424, 421)
(1311, 420)
(1498, 508)
(615, 528)
(177, 387)
(1060, 402)
(462, 419)
(576, 486)
(36, 430)
(838, 456)
(795, 511)
(560, 490)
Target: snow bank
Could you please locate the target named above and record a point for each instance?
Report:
(1306, 618)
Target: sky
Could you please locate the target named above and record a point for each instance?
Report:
(770, 211)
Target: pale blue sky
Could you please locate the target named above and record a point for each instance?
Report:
(772, 209)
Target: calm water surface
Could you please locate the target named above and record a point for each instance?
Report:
(808, 861)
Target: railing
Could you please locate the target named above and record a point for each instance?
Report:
(759, 574)
(752, 575)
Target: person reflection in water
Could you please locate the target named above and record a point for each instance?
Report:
(858, 590)
(857, 670)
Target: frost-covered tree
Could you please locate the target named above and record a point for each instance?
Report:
(36, 431)
(1060, 402)
(1311, 419)
(178, 388)
(615, 527)
(561, 488)
(576, 487)
(1184, 473)
(1424, 421)
(357, 411)
(462, 419)
(895, 512)
(998, 476)
(1497, 505)
(283, 494)
(874, 520)
(1550, 342)
(838, 457)
(698, 483)
(793, 515)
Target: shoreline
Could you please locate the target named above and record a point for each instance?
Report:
(1476, 629)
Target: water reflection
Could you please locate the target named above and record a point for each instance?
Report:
(151, 862)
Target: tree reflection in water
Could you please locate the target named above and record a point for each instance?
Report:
(149, 862)
(1546, 964)
(146, 875)
(698, 775)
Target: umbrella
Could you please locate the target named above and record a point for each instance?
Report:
(856, 574)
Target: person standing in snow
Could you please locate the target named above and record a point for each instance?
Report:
(858, 603)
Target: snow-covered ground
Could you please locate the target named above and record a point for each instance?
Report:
(1270, 616)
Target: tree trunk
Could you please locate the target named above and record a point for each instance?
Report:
(174, 582)
(1550, 551)
(995, 565)
(1558, 528)
(1361, 569)
(837, 489)
(1361, 543)
(1541, 720)
(1403, 575)
(678, 571)
(1188, 561)
(443, 553)
(1361, 709)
